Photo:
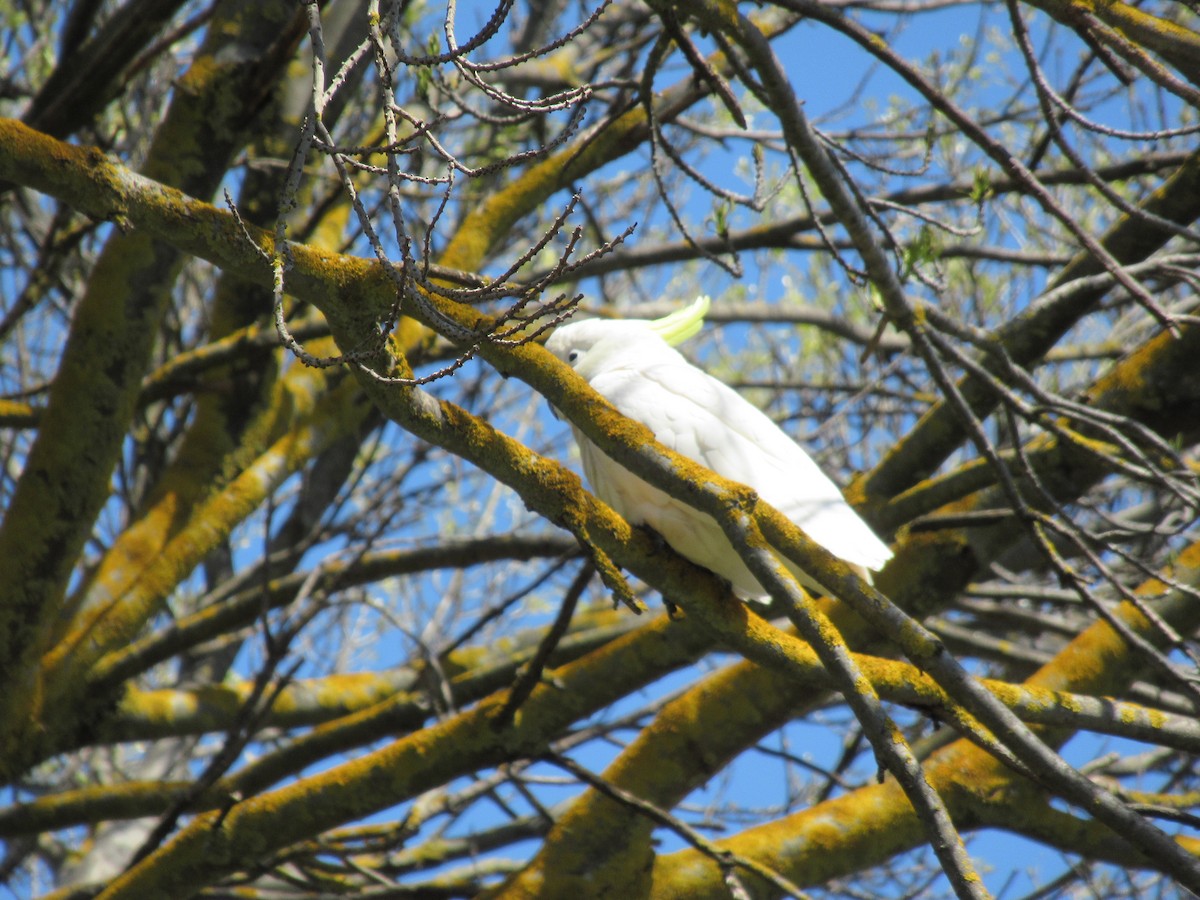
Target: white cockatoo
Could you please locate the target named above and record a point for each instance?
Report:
(633, 365)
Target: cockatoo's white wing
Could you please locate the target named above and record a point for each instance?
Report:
(703, 419)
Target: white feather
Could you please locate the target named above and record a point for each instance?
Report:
(634, 368)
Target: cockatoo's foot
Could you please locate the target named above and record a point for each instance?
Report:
(660, 542)
(674, 613)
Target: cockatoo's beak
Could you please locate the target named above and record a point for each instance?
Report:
(683, 323)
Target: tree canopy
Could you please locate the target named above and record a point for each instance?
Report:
(302, 595)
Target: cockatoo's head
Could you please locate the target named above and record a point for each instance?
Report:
(597, 345)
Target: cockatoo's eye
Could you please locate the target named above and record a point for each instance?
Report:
(572, 356)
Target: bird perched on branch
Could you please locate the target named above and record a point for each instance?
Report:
(632, 363)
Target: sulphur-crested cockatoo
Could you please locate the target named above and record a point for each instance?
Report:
(632, 364)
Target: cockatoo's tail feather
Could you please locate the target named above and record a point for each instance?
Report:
(631, 364)
(683, 323)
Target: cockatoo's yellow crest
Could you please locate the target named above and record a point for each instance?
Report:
(683, 323)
